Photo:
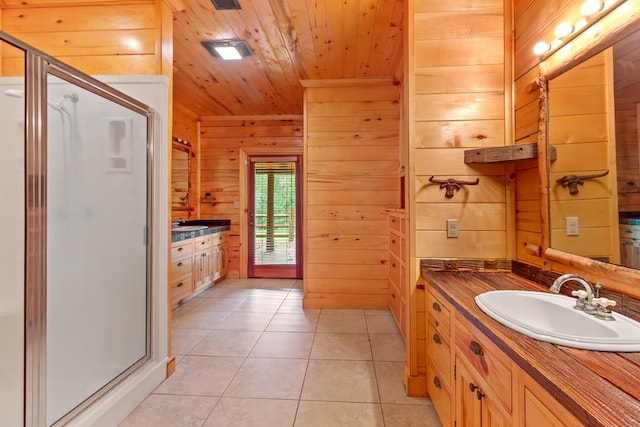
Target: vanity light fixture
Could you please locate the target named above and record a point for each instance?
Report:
(591, 10)
(228, 50)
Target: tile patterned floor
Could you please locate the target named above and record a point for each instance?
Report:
(248, 354)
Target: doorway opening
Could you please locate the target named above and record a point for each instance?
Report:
(274, 217)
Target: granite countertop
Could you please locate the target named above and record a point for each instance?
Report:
(599, 388)
(213, 226)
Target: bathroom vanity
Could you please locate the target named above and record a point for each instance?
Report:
(480, 372)
(198, 258)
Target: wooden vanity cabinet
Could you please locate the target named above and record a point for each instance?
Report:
(398, 269)
(197, 263)
(471, 382)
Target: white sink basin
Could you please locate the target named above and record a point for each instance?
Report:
(552, 318)
(188, 228)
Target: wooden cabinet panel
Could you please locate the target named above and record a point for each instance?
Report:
(180, 249)
(439, 353)
(468, 398)
(541, 409)
(438, 310)
(181, 289)
(181, 268)
(440, 395)
(485, 358)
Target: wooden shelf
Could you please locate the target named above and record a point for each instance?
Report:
(502, 154)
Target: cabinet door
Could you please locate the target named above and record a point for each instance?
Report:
(468, 400)
(198, 269)
(215, 262)
(207, 267)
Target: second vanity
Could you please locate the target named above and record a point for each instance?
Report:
(198, 257)
(480, 372)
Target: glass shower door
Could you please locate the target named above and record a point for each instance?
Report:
(97, 293)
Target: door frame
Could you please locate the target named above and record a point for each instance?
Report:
(245, 153)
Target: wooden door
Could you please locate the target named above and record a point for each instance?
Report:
(274, 217)
(468, 401)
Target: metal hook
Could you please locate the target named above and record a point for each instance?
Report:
(451, 184)
(572, 181)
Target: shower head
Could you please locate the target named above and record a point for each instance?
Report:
(73, 97)
(14, 93)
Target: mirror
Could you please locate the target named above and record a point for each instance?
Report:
(180, 173)
(593, 122)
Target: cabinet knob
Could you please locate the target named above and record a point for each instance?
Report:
(393, 264)
(475, 348)
(393, 241)
(436, 382)
(436, 339)
(180, 249)
(393, 294)
(436, 306)
(179, 264)
(179, 285)
(473, 387)
(479, 395)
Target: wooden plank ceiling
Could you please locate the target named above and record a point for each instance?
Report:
(291, 40)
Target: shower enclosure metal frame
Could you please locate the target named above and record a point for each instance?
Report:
(37, 66)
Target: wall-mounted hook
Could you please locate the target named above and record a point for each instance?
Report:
(451, 184)
(572, 181)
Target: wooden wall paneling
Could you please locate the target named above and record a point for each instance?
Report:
(226, 143)
(348, 189)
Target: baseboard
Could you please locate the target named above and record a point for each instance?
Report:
(365, 302)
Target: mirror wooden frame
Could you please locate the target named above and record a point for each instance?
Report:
(619, 23)
(187, 203)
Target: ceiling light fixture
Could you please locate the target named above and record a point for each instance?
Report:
(226, 4)
(228, 50)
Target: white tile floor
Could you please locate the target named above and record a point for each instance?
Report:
(248, 354)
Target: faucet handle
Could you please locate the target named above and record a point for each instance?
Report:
(582, 294)
(604, 302)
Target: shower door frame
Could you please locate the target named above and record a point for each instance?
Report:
(38, 66)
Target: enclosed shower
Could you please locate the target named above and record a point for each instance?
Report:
(81, 312)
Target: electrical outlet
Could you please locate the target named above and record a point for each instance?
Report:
(236, 204)
(573, 228)
(452, 228)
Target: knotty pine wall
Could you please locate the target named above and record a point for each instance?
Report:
(458, 72)
(95, 36)
(223, 142)
(579, 124)
(351, 178)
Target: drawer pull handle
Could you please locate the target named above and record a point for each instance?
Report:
(179, 285)
(393, 264)
(436, 306)
(393, 241)
(436, 339)
(436, 382)
(180, 249)
(393, 294)
(393, 220)
(202, 243)
(473, 387)
(179, 264)
(476, 349)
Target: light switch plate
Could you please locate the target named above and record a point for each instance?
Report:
(452, 228)
(573, 227)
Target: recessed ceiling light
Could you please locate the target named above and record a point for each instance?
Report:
(228, 49)
(226, 4)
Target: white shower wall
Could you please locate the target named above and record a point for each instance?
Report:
(12, 254)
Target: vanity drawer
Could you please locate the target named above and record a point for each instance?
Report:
(218, 238)
(394, 270)
(394, 223)
(439, 353)
(180, 249)
(489, 362)
(630, 231)
(395, 244)
(439, 313)
(181, 289)
(181, 268)
(440, 395)
(202, 243)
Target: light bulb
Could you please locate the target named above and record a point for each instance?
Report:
(540, 48)
(563, 30)
(590, 7)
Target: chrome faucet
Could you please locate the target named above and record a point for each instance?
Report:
(585, 298)
(176, 222)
